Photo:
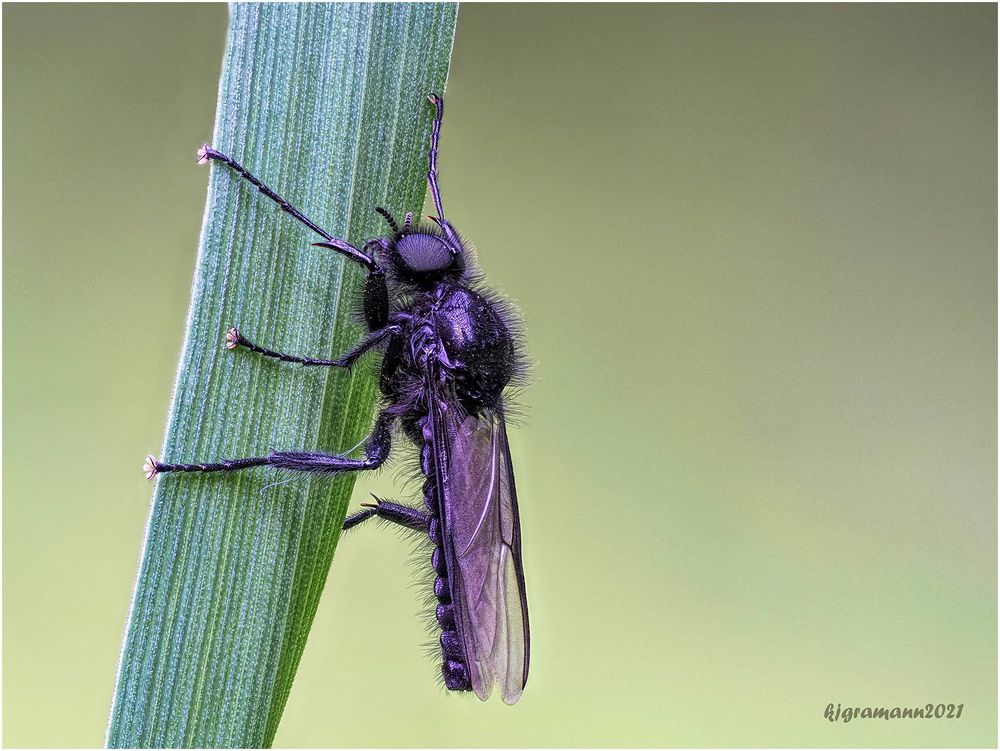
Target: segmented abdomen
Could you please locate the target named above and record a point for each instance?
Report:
(453, 669)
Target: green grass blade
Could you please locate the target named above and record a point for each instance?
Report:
(327, 104)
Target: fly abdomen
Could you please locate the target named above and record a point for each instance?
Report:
(453, 669)
(456, 676)
(445, 616)
(451, 645)
(441, 590)
(437, 562)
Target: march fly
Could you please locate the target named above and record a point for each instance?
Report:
(449, 349)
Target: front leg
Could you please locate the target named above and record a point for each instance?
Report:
(377, 448)
(376, 296)
(235, 339)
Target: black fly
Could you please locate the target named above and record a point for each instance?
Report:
(448, 353)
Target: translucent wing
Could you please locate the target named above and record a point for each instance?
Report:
(482, 540)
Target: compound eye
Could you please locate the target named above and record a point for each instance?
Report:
(424, 252)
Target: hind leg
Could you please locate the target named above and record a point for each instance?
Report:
(376, 452)
(404, 516)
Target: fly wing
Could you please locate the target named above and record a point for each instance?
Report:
(482, 540)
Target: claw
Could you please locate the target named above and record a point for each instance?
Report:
(151, 467)
(233, 338)
(203, 154)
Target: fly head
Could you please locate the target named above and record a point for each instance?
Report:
(424, 255)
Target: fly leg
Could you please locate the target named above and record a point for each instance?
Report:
(377, 448)
(432, 155)
(235, 339)
(206, 153)
(404, 516)
(432, 173)
(376, 298)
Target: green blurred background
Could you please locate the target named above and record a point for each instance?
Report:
(755, 248)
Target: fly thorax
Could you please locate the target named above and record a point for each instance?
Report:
(476, 342)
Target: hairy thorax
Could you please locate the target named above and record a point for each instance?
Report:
(466, 340)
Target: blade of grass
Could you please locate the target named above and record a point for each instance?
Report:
(327, 104)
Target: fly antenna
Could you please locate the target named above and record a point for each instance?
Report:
(432, 155)
(389, 220)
